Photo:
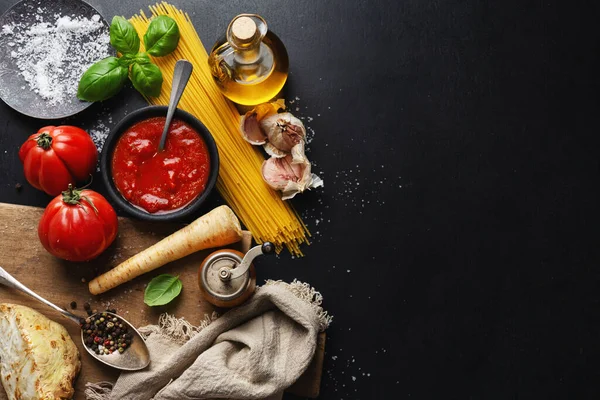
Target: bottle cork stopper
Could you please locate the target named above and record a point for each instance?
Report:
(244, 29)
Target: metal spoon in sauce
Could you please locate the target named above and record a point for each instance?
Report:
(135, 357)
(181, 76)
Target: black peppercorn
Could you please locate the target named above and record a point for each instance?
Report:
(106, 333)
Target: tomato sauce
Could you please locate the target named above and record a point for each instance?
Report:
(165, 181)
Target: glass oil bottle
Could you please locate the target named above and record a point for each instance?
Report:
(250, 65)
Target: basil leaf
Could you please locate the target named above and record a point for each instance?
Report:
(102, 80)
(162, 289)
(147, 79)
(123, 36)
(162, 36)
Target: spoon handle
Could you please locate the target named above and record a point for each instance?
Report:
(181, 75)
(10, 281)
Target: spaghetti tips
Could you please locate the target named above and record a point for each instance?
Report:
(240, 181)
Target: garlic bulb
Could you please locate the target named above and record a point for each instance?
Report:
(283, 137)
(282, 174)
(284, 132)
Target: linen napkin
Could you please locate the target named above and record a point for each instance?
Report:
(254, 351)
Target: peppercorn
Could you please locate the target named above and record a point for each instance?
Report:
(73, 305)
(86, 306)
(105, 334)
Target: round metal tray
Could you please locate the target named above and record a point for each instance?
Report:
(14, 89)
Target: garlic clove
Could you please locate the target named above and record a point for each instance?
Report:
(278, 172)
(250, 122)
(298, 156)
(274, 151)
(291, 179)
(283, 130)
(251, 130)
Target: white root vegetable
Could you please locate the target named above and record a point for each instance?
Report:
(217, 228)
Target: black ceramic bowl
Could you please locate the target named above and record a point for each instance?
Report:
(109, 147)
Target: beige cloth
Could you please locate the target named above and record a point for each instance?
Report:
(254, 351)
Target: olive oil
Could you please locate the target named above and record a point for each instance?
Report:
(250, 65)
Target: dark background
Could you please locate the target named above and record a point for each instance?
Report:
(456, 239)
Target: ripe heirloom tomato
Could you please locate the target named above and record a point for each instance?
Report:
(57, 156)
(78, 225)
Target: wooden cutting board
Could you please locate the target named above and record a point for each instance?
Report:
(63, 282)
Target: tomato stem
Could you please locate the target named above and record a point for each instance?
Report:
(73, 196)
(44, 140)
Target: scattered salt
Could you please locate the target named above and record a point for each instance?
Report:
(53, 53)
(100, 129)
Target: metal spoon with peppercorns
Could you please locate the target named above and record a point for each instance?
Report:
(106, 336)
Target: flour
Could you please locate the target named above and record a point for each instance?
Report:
(55, 51)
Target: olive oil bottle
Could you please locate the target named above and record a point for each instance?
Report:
(250, 64)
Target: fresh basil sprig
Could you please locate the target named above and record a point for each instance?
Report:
(162, 36)
(162, 290)
(102, 80)
(105, 78)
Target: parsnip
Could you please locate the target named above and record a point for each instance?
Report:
(219, 227)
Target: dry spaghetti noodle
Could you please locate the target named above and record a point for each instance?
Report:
(240, 181)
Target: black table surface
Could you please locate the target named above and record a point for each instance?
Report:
(454, 238)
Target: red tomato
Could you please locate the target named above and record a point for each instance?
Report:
(57, 156)
(78, 225)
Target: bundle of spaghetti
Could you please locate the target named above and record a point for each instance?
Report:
(240, 181)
